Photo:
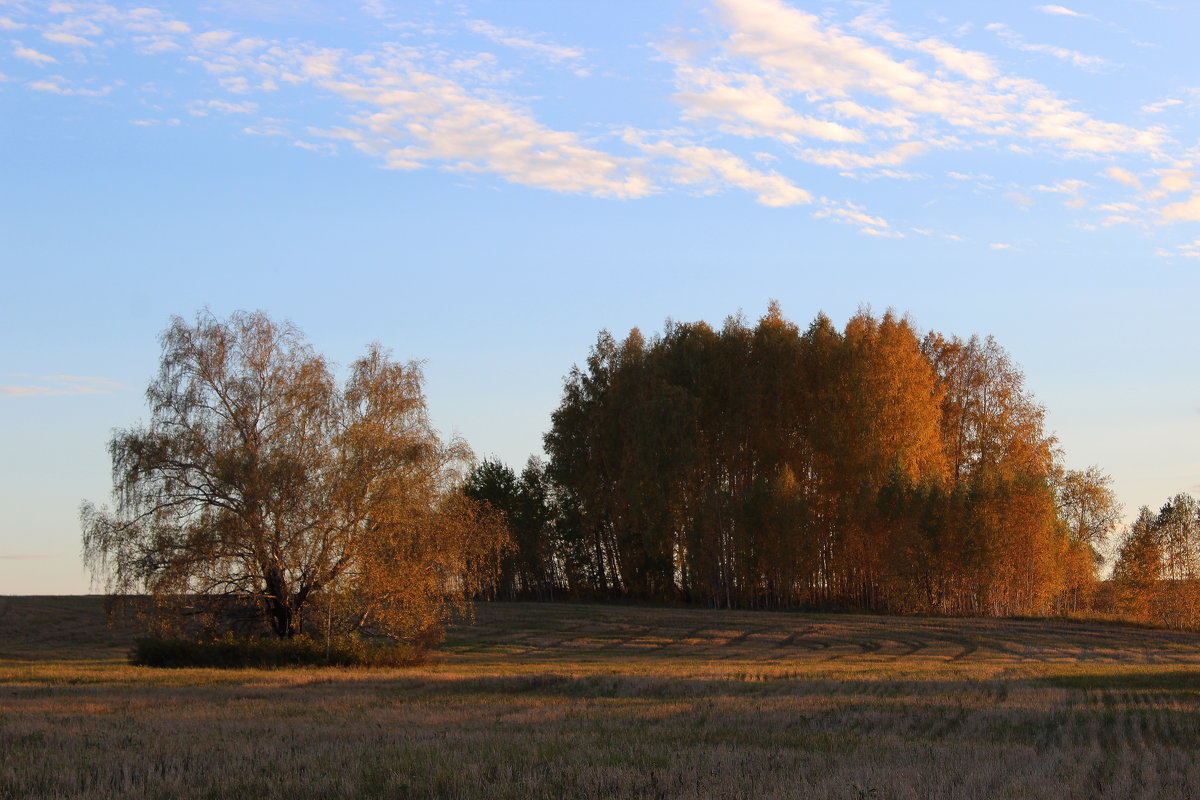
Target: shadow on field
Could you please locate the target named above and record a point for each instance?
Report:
(1140, 681)
(538, 702)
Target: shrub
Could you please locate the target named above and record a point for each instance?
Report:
(231, 652)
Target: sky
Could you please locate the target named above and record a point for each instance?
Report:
(484, 186)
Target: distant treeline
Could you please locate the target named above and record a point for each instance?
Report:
(1157, 573)
(769, 466)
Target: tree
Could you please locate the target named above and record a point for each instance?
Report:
(1157, 572)
(260, 487)
(1139, 565)
(530, 569)
(1089, 506)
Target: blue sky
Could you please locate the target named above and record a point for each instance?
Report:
(486, 185)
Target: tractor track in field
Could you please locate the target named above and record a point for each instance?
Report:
(783, 638)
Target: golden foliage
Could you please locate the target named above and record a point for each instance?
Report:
(260, 489)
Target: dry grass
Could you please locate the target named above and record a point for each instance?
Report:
(602, 701)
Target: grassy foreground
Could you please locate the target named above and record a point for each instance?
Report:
(557, 701)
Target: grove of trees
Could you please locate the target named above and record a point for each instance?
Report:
(873, 467)
(1156, 577)
(263, 494)
(771, 466)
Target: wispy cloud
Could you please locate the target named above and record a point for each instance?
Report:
(748, 108)
(1069, 186)
(1161, 106)
(852, 214)
(856, 95)
(712, 168)
(201, 108)
(57, 84)
(1189, 250)
(69, 39)
(1073, 57)
(52, 385)
(1124, 176)
(31, 55)
(411, 118)
(1063, 11)
(1186, 211)
(777, 59)
(533, 44)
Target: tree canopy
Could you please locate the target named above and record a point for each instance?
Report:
(768, 465)
(1157, 572)
(262, 488)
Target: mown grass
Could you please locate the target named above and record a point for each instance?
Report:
(590, 701)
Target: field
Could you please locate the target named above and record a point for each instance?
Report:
(552, 701)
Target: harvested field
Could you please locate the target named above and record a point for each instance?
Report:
(550, 701)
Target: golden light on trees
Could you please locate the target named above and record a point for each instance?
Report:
(262, 488)
(871, 467)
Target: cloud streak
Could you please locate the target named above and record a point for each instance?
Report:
(529, 43)
(57, 385)
(1062, 11)
(1073, 57)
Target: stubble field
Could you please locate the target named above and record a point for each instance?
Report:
(553, 701)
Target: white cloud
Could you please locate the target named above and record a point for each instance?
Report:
(847, 160)
(212, 39)
(1189, 250)
(1070, 186)
(1000, 246)
(7, 24)
(403, 112)
(1074, 57)
(412, 118)
(795, 58)
(975, 66)
(700, 166)
(376, 8)
(29, 54)
(326, 147)
(962, 176)
(267, 127)
(882, 233)
(861, 99)
(853, 214)
(1173, 181)
(1186, 211)
(69, 39)
(1124, 176)
(1062, 11)
(1161, 106)
(1021, 200)
(49, 385)
(521, 40)
(57, 84)
(200, 108)
(750, 109)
